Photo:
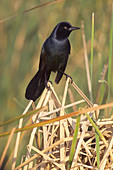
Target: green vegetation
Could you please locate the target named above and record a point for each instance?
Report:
(21, 39)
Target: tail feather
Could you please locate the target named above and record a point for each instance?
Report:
(36, 85)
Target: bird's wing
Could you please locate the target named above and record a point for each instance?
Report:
(38, 82)
(61, 70)
(43, 60)
(64, 63)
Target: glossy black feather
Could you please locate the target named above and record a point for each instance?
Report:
(54, 57)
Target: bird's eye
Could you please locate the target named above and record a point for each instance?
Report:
(65, 28)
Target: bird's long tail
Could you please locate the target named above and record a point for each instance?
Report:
(37, 85)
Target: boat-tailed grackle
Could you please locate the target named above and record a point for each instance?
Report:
(54, 57)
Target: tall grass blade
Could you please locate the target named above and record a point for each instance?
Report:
(96, 128)
(104, 95)
(102, 78)
(110, 53)
(74, 142)
(63, 117)
(28, 10)
(86, 61)
(92, 40)
(23, 116)
(97, 149)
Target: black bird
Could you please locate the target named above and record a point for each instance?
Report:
(54, 57)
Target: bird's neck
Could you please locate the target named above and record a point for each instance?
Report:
(60, 40)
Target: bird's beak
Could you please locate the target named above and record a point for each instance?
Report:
(73, 28)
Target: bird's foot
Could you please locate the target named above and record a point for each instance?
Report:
(71, 80)
(47, 86)
(50, 82)
(67, 76)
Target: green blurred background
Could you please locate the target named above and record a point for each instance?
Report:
(21, 39)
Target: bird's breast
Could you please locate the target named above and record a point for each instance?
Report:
(54, 61)
(57, 53)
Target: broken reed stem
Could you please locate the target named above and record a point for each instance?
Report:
(47, 96)
(65, 107)
(62, 147)
(86, 60)
(18, 136)
(6, 148)
(82, 94)
(44, 96)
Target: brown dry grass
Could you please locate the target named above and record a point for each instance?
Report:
(53, 141)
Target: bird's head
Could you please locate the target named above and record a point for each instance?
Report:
(63, 30)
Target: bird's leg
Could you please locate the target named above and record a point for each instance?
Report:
(46, 85)
(71, 80)
(46, 81)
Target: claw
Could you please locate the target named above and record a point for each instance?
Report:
(47, 86)
(50, 82)
(71, 80)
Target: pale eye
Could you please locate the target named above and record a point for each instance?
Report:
(65, 28)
